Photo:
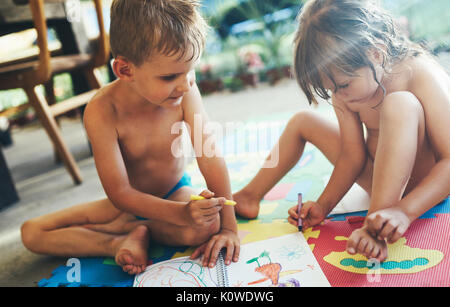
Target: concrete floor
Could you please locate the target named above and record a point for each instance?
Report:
(45, 186)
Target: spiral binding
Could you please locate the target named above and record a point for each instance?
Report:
(221, 270)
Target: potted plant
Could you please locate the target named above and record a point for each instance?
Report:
(206, 81)
(250, 66)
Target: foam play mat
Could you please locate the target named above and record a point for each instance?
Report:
(420, 258)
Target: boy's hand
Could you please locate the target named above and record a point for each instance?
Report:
(211, 249)
(204, 212)
(312, 213)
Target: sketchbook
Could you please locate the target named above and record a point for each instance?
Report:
(280, 262)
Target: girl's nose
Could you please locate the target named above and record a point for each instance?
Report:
(342, 94)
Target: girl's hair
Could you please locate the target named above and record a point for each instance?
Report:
(336, 35)
(139, 28)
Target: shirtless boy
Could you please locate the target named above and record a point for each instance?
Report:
(156, 45)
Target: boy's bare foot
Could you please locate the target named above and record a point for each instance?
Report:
(132, 251)
(360, 241)
(247, 205)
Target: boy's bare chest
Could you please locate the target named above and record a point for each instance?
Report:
(147, 136)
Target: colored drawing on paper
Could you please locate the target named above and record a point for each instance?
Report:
(176, 274)
(291, 252)
(272, 271)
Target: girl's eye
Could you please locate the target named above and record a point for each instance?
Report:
(343, 86)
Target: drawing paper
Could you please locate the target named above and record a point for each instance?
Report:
(281, 261)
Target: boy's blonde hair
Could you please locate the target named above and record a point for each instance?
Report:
(337, 35)
(139, 28)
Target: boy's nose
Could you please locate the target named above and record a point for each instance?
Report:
(186, 84)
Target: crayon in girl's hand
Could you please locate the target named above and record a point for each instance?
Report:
(227, 202)
(299, 221)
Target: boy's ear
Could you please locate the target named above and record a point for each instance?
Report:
(123, 69)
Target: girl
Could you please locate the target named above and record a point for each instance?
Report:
(350, 51)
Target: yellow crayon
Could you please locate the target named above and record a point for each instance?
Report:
(227, 202)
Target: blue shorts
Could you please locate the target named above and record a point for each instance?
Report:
(184, 181)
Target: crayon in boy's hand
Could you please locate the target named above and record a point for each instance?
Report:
(227, 202)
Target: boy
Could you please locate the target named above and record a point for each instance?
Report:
(155, 44)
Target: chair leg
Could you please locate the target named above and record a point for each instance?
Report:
(48, 121)
(50, 91)
(51, 99)
(92, 77)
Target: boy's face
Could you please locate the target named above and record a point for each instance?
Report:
(163, 80)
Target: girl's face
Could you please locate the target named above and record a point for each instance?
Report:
(163, 80)
(354, 89)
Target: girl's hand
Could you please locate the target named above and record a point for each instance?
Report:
(211, 249)
(388, 224)
(203, 212)
(311, 213)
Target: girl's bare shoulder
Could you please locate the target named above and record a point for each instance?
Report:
(426, 69)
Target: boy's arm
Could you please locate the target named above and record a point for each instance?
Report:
(99, 120)
(214, 170)
(209, 159)
(351, 159)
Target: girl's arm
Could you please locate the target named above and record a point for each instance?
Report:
(351, 159)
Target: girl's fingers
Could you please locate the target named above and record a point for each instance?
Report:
(293, 212)
(304, 211)
(292, 221)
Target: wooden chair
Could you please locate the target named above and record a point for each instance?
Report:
(30, 74)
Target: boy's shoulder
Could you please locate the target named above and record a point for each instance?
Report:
(101, 106)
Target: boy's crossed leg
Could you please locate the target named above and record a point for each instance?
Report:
(99, 229)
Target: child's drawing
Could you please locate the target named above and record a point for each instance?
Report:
(183, 273)
(270, 271)
(292, 252)
(284, 261)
